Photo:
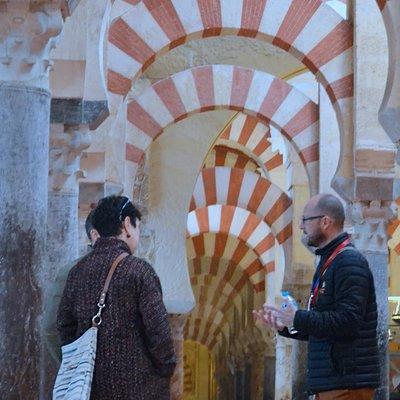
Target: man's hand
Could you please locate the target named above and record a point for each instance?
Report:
(284, 315)
(268, 317)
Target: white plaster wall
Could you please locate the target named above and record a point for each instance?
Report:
(371, 65)
(329, 143)
(175, 160)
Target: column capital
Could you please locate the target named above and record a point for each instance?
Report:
(29, 30)
(370, 219)
(66, 147)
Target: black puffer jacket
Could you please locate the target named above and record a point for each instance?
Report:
(341, 327)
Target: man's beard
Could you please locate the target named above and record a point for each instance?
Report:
(312, 242)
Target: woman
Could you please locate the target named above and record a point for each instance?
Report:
(135, 357)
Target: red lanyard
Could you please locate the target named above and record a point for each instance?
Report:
(328, 262)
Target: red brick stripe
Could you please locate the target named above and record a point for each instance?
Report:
(133, 153)
(252, 13)
(297, 17)
(310, 154)
(277, 93)
(235, 184)
(210, 11)
(274, 162)
(249, 125)
(169, 95)
(163, 11)
(117, 83)
(340, 89)
(302, 120)
(204, 81)
(335, 43)
(209, 186)
(241, 81)
(143, 120)
(127, 40)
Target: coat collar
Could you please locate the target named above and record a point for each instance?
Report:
(111, 244)
(326, 250)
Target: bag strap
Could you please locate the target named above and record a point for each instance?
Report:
(96, 320)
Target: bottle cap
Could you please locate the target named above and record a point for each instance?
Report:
(285, 293)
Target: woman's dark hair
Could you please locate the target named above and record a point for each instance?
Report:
(110, 213)
(89, 224)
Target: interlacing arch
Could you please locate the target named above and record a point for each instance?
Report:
(320, 39)
(248, 190)
(225, 156)
(251, 134)
(213, 87)
(241, 255)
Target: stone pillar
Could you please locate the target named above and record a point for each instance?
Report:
(177, 323)
(370, 237)
(67, 143)
(27, 33)
(283, 369)
(269, 377)
(257, 372)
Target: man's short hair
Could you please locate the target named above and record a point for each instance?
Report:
(110, 213)
(89, 224)
(330, 205)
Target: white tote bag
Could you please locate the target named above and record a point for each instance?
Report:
(74, 378)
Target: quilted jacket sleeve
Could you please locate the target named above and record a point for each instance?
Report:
(156, 324)
(352, 285)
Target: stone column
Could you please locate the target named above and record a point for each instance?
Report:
(177, 323)
(269, 377)
(257, 372)
(67, 143)
(283, 369)
(370, 237)
(27, 33)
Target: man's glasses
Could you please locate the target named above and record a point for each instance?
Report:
(304, 219)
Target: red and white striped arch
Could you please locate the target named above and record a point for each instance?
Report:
(213, 87)
(308, 29)
(247, 190)
(225, 156)
(249, 133)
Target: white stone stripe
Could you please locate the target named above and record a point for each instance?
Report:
(142, 22)
(223, 76)
(293, 103)
(237, 127)
(239, 219)
(283, 220)
(270, 288)
(189, 14)
(209, 242)
(259, 87)
(214, 218)
(119, 8)
(137, 137)
(152, 103)
(274, 14)
(199, 192)
(320, 24)
(339, 67)
(259, 233)
(185, 85)
(192, 224)
(222, 178)
(259, 133)
(307, 137)
(191, 253)
(269, 200)
(231, 13)
(120, 62)
(247, 189)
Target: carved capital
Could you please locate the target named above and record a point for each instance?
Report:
(28, 31)
(370, 221)
(66, 149)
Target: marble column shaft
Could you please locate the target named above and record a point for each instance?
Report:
(24, 136)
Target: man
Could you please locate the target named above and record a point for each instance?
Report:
(50, 331)
(341, 320)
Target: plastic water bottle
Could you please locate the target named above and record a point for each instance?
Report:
(288, 299)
